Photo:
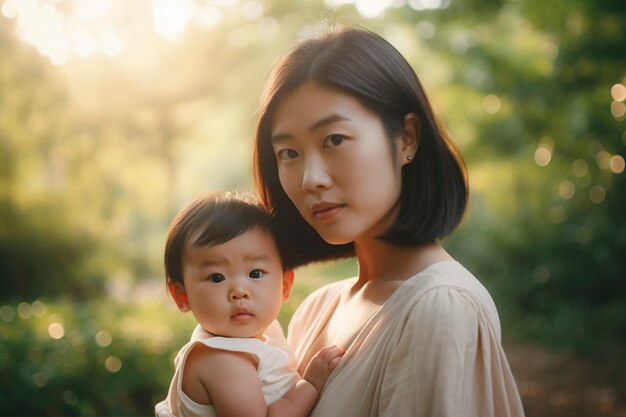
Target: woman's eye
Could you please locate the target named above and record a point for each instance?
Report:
(333, 140)
(286, 154)
(216, 278)
(256, 273)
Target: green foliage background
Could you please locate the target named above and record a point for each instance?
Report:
(97, 155)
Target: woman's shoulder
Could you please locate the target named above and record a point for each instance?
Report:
(449, 292)
(444, 277)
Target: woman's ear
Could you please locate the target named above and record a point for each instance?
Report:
(287, 284)
(408, 142)
(178, 293)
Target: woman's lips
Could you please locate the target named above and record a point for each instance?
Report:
(326, 211)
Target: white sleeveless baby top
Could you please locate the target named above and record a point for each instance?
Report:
(276, 370)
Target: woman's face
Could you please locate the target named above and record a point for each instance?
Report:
(335, 164)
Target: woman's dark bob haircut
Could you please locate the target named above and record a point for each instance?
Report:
(360, 63)
(211, 219)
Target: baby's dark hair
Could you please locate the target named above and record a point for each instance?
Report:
(211, 219)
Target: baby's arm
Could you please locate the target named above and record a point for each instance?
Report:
(229, 380)
(301, 398)
(232, 380)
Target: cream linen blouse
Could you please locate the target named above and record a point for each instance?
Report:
(432, 349)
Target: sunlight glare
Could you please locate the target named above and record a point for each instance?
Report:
(252, 10)
(371, 9)
(83, 30)
(9, 9)
(170, 17)
(336, 3)
(110, 40)
(429, 4)
(84, 42)
(208, 16)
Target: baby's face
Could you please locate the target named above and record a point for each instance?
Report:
(235, 289)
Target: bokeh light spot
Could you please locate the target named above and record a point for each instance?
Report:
(541, 274)
(603, 159)
(170, 17)
(428, 4)
(24, 310)
(39, 309)
(557, 214)
(567, 190)
(425, 29)
(70, 397)
(113, 364)
(492, 104)
(40, 379)
(103, 338)
(597, 194)
(550, 50)
(371, 9)
(543, 155)
(580, 168)
(618, 92)
(7, 313)
(56, 330)
(252, 10)
(618, 109)
(617, 164)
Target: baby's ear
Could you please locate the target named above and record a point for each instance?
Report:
(178, 293)
(288, 277)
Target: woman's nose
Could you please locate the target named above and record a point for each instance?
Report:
(315, 175)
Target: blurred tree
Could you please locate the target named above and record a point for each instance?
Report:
(548, 158)
(39, 248)
(113, 152)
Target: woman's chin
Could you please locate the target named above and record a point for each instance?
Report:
(335, 239)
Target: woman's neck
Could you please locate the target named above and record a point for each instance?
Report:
(381, 261)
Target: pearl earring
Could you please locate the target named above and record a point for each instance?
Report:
(408, 158)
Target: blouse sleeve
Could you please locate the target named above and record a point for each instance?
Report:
(448, 361)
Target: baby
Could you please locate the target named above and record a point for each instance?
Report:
(222, 264)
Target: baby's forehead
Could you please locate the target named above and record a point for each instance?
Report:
(205, 237)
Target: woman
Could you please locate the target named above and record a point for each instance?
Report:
(351, 161)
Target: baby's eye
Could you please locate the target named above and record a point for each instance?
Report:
(286, 154)
(333, 140)
(256, 273)
(216, 278)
